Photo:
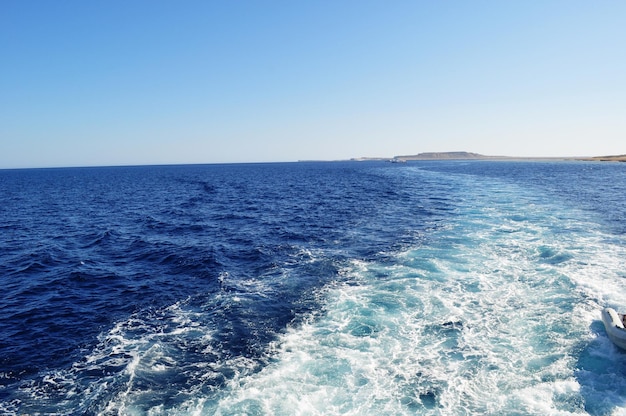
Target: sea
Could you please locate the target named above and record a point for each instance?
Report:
(313, 288)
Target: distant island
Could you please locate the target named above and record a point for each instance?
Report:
(477, 156)
(444, 155)
(616, 158)
(432, 156)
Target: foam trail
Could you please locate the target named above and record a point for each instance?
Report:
(497, 314)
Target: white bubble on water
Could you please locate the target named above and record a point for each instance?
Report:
(489, 317)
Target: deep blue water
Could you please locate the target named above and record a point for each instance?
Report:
(312, 288)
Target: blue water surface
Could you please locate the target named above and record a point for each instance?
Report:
(448, 287)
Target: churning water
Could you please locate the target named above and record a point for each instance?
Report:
(313, 289)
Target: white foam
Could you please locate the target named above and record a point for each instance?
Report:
(488, 318)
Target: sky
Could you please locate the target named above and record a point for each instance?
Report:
(91, 83)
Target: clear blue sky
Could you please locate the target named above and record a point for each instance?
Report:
(150, 82)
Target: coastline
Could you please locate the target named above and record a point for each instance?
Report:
(475, 156)
(616, 158)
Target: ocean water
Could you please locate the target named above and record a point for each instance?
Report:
(343, 288)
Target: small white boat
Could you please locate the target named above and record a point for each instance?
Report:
(614, 325)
